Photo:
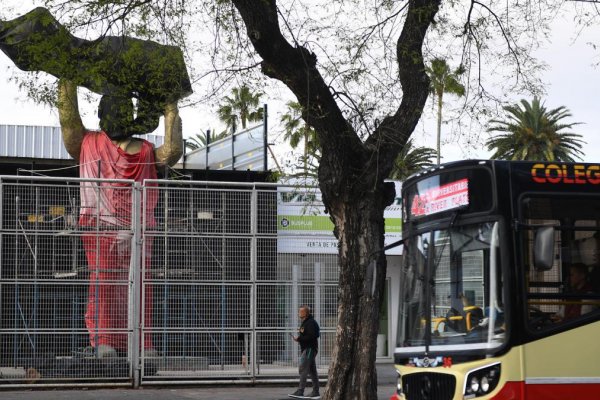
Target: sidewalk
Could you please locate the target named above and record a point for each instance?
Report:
(386, 386)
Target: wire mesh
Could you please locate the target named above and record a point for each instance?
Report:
(200, 276)
(209, 297)
(278, 355)
(64, 284)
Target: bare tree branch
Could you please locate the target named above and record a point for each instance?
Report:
(296, 68)
(394, 131)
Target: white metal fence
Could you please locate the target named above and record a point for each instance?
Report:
(182, 279)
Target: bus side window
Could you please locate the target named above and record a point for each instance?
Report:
(595, 278)
(566, 288)
(577, 284)
(587, 251)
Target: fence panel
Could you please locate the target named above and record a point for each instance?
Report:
(184, 280)
(201, 276)
(64, 285)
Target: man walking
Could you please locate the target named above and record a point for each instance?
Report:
(308, 335)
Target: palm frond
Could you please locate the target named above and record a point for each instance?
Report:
(532, 132)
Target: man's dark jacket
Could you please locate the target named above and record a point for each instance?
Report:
(308, 334)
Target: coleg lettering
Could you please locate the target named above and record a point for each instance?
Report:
(566, 173)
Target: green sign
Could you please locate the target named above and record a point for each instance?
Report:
(304, 223)
(322, 223)
(393, 225)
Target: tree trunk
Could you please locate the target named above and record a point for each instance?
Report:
(351, 175)
(360, 228)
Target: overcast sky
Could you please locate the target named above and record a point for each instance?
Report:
(571, 81)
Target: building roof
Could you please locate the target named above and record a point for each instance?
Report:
(41, 142)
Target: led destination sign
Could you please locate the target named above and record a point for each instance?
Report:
(441, 198)
(566, 173)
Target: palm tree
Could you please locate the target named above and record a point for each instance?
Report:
(410, 160)
(242, 107)
(200, 140)
(297, 131)
(443, 81)
(531, 132)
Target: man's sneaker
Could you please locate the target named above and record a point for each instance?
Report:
(314, 395)
(298, 394)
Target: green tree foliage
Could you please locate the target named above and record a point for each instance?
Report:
(241, 107)
(296, 132)
(411, 160)
(532, 132)
(443, 80)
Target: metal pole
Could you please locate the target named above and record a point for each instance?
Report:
(61, 180)
(16, 272)
(36, 288)
(223, 297)
(165, 304)
(233, 151)
(74, 313)
(207, 146)
(97, 268)
(295, 305)
(265, 137)
(184, 153)
(253, 277)
(136, 284)
(317, 305)
(73, 241)
(274, 158)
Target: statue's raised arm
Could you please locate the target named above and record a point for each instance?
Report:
(172, 149)
(71, 126)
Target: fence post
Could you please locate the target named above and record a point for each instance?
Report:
(253, 277)
(296, 277)
(265, 138)
(317, 299)
(135, 282)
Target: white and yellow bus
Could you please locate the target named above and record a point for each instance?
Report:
(500, 286)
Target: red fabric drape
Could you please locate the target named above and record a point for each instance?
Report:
(108, 205)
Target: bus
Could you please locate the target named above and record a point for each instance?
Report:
(500, 282)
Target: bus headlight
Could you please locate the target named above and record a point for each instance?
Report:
(485, 384)
(482, 381)
(474, 384)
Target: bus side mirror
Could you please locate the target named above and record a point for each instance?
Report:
(543, 250)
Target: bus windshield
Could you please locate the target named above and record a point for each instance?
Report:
(451, 291)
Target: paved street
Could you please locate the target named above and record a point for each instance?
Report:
(386, 387)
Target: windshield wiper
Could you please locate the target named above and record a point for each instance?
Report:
(454, 218)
